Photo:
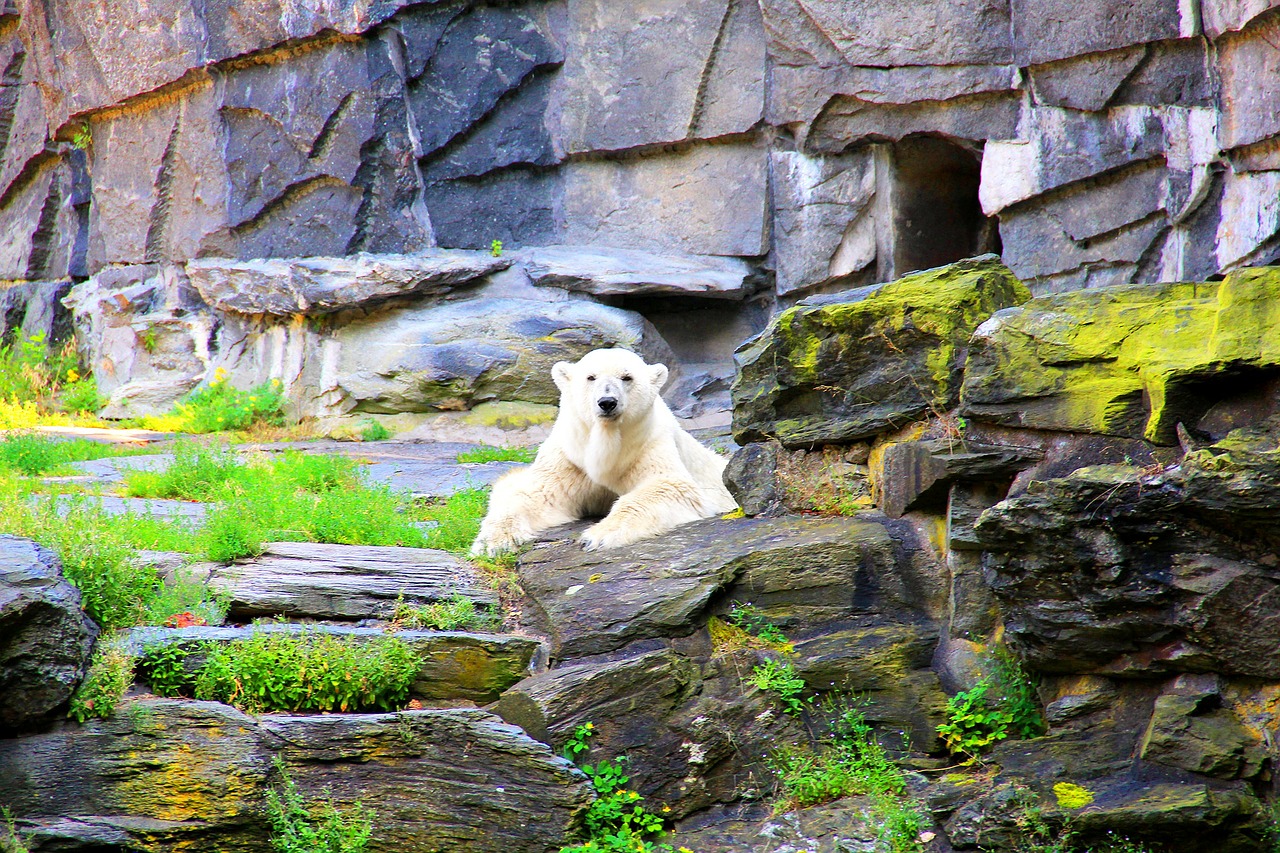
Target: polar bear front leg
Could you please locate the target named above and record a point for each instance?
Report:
(656, 505)
(530, 500)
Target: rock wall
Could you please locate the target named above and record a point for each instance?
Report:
(824, 143)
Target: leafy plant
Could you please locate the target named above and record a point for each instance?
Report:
(81, 395)
(165, 669)
(992, 710)
(219, 407)
(780, 678)
(149, 340)
(618, 820)
(750, 619)
(110, 674)
(11, 841)
(297, 828)
(495, 248)
(497, 454)
(371, 430)
(453, 614)
(308, 672)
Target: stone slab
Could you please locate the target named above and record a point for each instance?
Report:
(606, 271)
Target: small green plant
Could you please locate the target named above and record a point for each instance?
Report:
(495, 248)
(165, 669)
(457, 613)
(371, 430)
(780, 678)
(497, 454)
(82, 137)
(851, 761)
(220, 407)
(81, 396)
(308, 672)
(618, 820)
(11, 841)
(110, 674)
(750, 619)
(457, 519)
(297, 827)
(149, 339)
(34, 455)
(994, 709)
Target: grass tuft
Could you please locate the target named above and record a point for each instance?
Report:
(497, 454)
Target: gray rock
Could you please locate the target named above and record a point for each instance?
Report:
(1248, 111)
(803, 569)
(517, 206)
(919, 474)
(1191, 731)
(434, 779)
(823, 225)
(852, 365)
(454, 356)
(848, 119)
(660, 72)
(1221, 16)
(46, 636)
(301, 579)
(315, 286)
(602, 271)
(43, 226)
(1042, 254)
(35, 308)
(1048, 31)
(706, 200)
(1174, 72)
(752, 478)
(1086, 82)
(456, 664)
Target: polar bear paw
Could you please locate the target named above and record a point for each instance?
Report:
(497, 539)
(603, 536)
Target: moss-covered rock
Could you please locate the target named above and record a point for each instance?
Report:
(1130, 361)
(839, 370)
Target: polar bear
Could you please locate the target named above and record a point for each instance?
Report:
(615, 448)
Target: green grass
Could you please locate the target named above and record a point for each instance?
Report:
(201, 472)
(497, 454)
(221, 407)
(458, 613)
(308, 672)
(457, 519)
(34, 455)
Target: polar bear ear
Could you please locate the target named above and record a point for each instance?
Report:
(562, 373)
(659, 375)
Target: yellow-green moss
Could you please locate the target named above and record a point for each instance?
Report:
(1072, 796)
(510, 415)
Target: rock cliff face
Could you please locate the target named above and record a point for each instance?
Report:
(824, 144)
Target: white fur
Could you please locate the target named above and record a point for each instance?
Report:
(636, 464)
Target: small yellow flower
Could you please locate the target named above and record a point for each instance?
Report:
(666, 809)
(590, 726)
(72, 375)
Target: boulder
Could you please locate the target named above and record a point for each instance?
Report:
(344, 582)
(315, 286)
(846, 367)
(1130, 361)
(45, 638)
(608, 272)
(162, 773)
(767, 479)
(456, 664)
(457, 355)
(1190, 730)
(796, 570)
(1132, 573)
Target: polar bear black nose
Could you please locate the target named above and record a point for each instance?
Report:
(607, 404)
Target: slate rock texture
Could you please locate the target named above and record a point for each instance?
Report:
(46, 636)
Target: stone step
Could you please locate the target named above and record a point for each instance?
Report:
(308, 580)
(167, 774)
(456, 665)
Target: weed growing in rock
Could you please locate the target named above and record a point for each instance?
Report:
(780, 679)
(457, 613)
(618, 820)
(495, 248)
(457, 519)
(165, 669)
(851, 761)
(308, 672)
(34, 455)
(497, 454)
(110, 674)
(994, 709)
(371, 430)
(220, 407)
(185, 597)
(299, 827)
(11, 841)
(750, 619)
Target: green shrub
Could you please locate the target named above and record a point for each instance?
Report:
(751, 620)
(457, 519)
(110, 674)
(197, 473)
(618, 820)
(497, 454)
(851, 761)
(30, 371)
(994, 709)
(81, 396)
(165, 669)
(308, 672)
(219, 406)
(297, 827)
(780, 679)
(371, 430)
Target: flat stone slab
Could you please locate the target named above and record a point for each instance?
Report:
(321, 581)
(163, 772)
(322, 285)
(593, 602)
(604, 271)
(158, 507)
(456, 664)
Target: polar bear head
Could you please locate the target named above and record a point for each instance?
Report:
(609, 385)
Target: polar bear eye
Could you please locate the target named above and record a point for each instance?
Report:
(591, 378)
(626, 377)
